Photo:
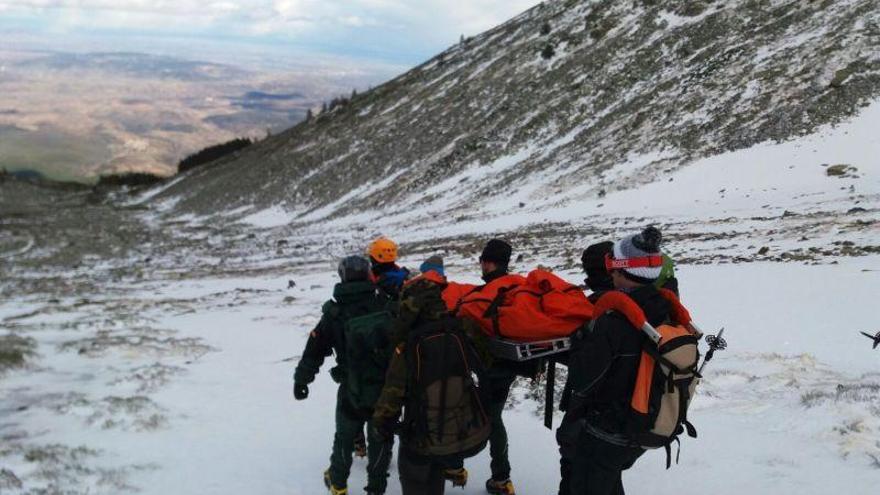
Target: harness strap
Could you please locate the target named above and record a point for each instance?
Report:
(668, 448)
(443, 389)
(692, 432)
(492, 310)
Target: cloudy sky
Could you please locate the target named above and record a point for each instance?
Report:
(388, 31)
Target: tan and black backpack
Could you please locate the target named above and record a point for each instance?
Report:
(665, 384)
(667, 377)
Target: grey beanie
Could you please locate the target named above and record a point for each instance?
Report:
(642, 245)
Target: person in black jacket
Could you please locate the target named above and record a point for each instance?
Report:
(598, 282)
(602, 369)
(494, 264)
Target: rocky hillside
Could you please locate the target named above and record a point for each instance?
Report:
(539, 109)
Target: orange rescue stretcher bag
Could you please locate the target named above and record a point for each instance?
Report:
(538, 307)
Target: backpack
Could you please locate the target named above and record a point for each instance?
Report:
(666, 381)
(444, 414)
(367, 353)
(667, 376)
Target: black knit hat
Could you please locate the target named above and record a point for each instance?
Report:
(593, 259)
(497, 251)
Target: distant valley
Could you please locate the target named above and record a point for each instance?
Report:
(76, 116)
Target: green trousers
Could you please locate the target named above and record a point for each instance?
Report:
(499, 389)
(348, 424)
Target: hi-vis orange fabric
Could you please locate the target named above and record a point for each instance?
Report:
(454, 292)
(537, 307)
(679, 313)
(645, 377)
(623, 304)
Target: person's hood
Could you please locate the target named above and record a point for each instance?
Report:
(353, 291)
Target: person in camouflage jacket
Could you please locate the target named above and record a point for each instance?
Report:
(355, 295)
(421, 303)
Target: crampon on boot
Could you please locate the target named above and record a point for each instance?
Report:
(458, 476)
(500, 487)
(360, 445)
(333, 489)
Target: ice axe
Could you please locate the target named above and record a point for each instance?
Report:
(875, 338)
(716, 343)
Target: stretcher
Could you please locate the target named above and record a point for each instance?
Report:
(526, 351)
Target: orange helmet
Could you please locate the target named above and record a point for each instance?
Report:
(383, 250)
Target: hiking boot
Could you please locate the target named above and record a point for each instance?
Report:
(330, 486)
(360, 445)
(500, 487)
(458, 476)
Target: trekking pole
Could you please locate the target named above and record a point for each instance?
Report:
(875, 338)
(549, 393)
(716, 343)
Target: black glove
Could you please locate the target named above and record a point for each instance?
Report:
(337, 373)
(385, 430)
(300, 391)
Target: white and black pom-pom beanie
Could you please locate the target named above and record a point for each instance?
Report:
(647, 243)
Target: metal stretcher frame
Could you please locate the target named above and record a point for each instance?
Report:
(525, 351)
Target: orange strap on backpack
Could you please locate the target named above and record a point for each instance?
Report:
(623, 304)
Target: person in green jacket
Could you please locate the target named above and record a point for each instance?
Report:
(354, 296)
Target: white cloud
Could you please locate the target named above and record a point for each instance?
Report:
(383, 25)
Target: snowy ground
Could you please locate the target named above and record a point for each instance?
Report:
(187, 389)
(161, 362)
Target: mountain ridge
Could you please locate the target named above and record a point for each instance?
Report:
(679, 80)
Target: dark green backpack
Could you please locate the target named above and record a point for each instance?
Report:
(445, 417)
(367, 353)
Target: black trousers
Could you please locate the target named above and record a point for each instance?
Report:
(419, 475)
(590, 466)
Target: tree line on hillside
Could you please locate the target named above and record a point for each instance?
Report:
(212, 153)
(195, 160)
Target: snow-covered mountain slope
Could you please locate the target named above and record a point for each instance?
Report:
(632, 86)
(146, 343)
